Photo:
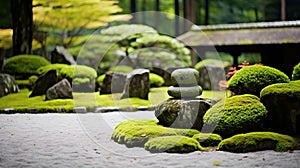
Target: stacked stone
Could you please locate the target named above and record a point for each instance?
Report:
(186, 84)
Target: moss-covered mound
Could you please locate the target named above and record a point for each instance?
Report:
(296, 72)
(252, 79)
(156, 80)
(256, 141)
(135, 133)
(282, 101)
(208, 139)
(234, 115)
(24, 66)
(173, 144)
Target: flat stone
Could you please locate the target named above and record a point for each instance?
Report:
(185, 92)
(185, 77)
(80, 109)
(106, 109)
(61, 90)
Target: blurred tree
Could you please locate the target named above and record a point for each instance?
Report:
(21, 11)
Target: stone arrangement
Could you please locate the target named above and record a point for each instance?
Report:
(184, 110)
(7, 85)
(186, 81)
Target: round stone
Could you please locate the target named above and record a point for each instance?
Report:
(185, 77)
(185, 92)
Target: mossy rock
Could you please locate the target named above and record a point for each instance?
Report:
(252, 79)
(24, 66)
(282, 101)
(156, 80)
(185, 77)
(208, 139)
(296, 72)
(135, 133)
(234, 115)
(257, 141)
(173, 144)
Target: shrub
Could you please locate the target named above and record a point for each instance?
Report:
(100, 79)
(237, 114)
(252, 79)
(296, 72)
(24, 66)
(291, 89)
(42, 70)
(256, 141)
(156, 80)
(173, 144)
(135, 133)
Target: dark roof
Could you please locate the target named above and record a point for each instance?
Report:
(243, 34)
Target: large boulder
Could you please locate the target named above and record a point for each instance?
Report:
(137, 84)
(283, 104)
(43, 83)
(61, 90)
(113, 83)
(62, 56)
(179, 113)
(257, 141)
(7, 85)
(234, 115)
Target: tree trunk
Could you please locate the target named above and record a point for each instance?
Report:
(206, 21)
(22, 19)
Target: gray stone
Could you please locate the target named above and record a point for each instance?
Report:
(137, 84)
(113, 83)
(61, 90)
(179, 113)
(107, 109)
(211, 75)
(7, 85)
(185, 77)
(185, 92)
(62, 56)
(81, 109)
(43, 83)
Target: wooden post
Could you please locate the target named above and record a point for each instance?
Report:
(176, 8)
(206, 22)
(283, 10)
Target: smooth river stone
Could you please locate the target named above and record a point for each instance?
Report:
(185, 92)
(185, 77)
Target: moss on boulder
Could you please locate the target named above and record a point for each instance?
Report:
(208, 139)
(135, 133)
(296, 72)
(237, 114)
(282, 101)
(252, 79)
(173, 144)
(257, 141)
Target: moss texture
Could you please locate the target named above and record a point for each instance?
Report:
(291, 89)
(24, 66)
(135, 133)
(237, 114)
(256, 141)
(173, 144)
(208, 139)
(252, 79)
(296, 72)
(156, 80)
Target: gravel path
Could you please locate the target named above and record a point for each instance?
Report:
(83, 140)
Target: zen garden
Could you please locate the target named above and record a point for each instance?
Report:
(136, 83)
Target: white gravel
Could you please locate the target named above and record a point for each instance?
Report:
(83, 140)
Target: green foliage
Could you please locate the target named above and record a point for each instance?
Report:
(78, 71)
(156, 80)
(296, 72)
(256, 141)
(135, 133)
(5, 38)
(24, 66)
(32, 79)
(100, 79)
(44, 69)
(208, 139)
(237, 114)
(291, 89)
(205, 62)
(173, 144)
(121, 68)
(252, 79)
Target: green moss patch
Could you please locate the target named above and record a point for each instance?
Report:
(237, 114)
(256, 141)
(208, 139)
(135, 133)
(173, 144)
(296, 72)
(291, 89)
(252, 79)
